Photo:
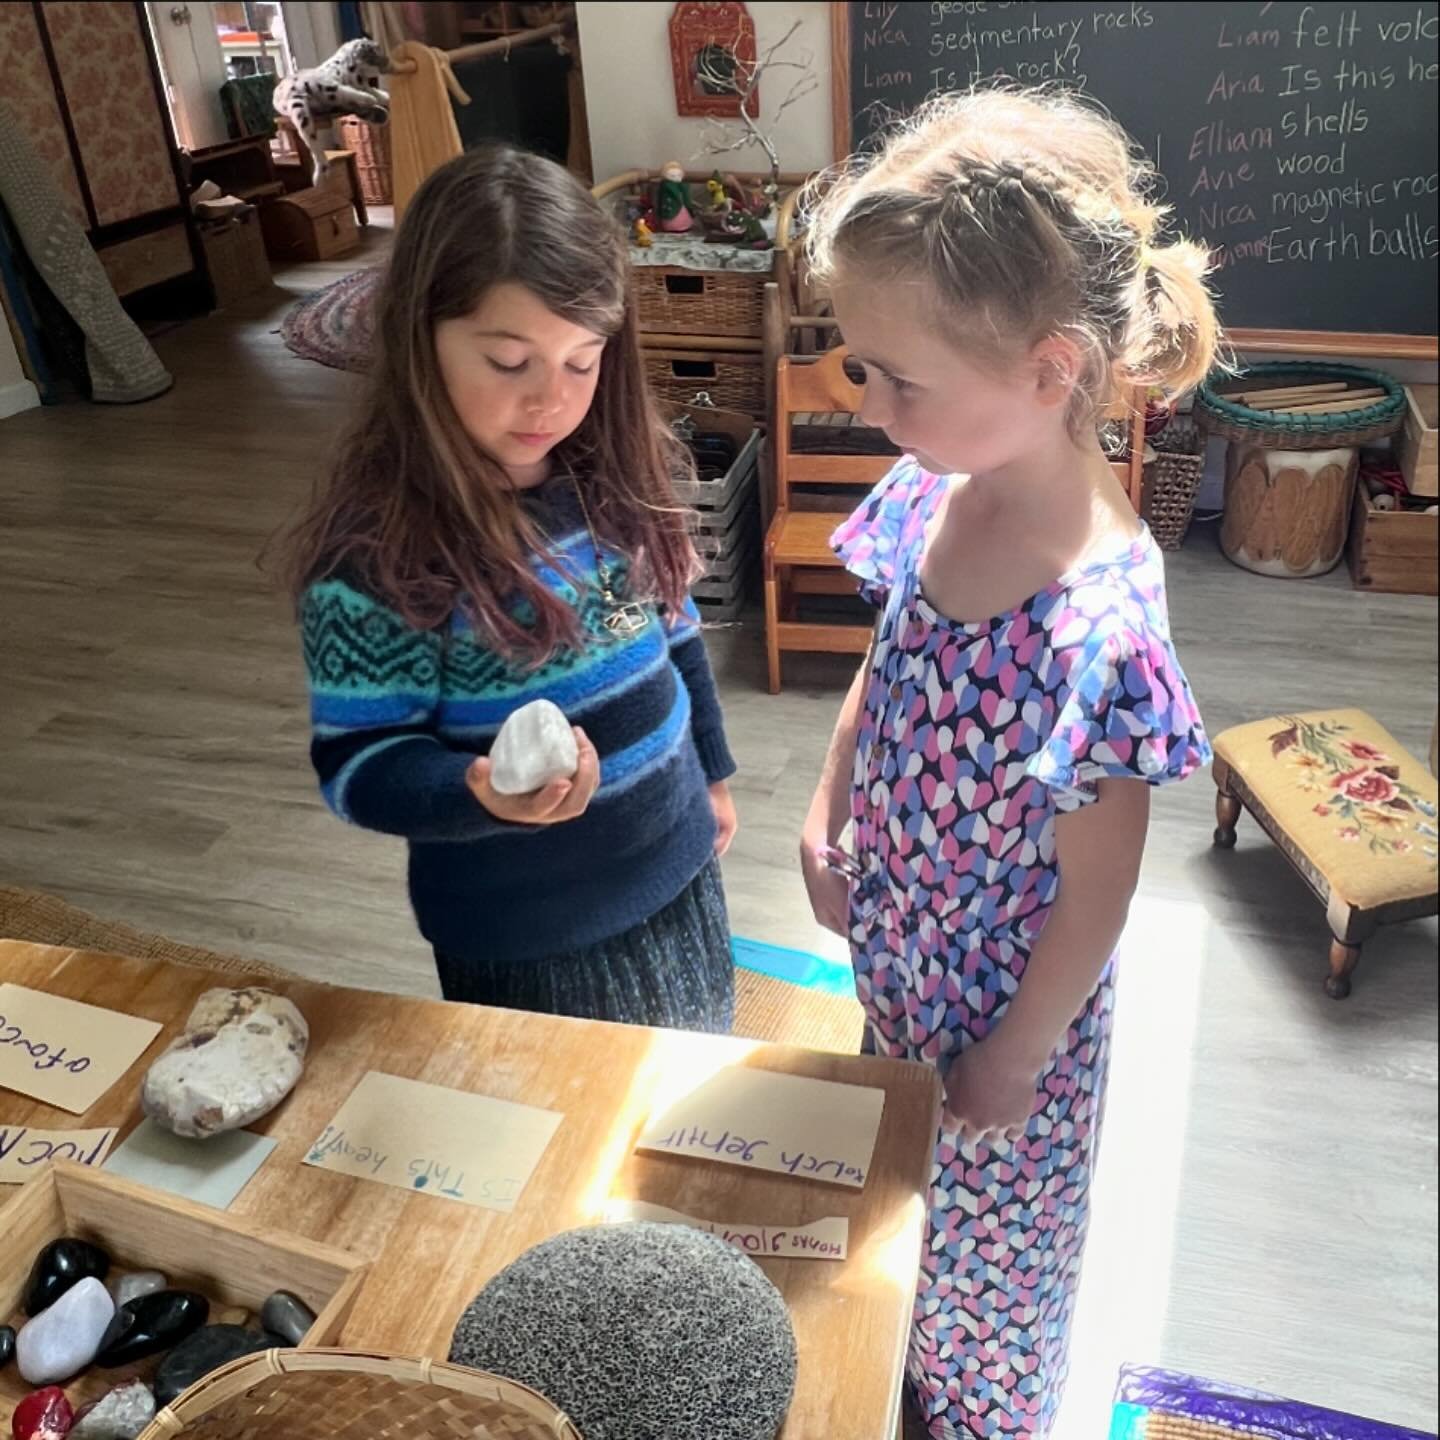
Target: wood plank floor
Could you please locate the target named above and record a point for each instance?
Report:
(1267, 1208)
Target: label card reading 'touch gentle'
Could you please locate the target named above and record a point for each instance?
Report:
(63, 1052)
(435, 1141)
(812, 1129)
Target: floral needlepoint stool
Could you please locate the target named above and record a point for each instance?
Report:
(1351, 809)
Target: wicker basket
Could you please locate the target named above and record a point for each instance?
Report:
(352, 1395)
(1221, 415)
(235, 256)
(371, 144)
(674, 301)
(1172, 481)
(732, 380)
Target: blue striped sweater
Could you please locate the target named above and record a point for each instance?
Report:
(398, 714)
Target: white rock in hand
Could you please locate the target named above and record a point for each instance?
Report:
(535, 746)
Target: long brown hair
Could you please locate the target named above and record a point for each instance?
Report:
(1028, 213)
(411, 508)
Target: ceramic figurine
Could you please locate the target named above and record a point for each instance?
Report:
(644, 237)
(672, 200)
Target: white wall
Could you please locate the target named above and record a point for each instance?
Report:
(16, 392)
(313, 30)
(630, 97)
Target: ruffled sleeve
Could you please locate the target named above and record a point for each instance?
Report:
(871, 542)
(1128, 714)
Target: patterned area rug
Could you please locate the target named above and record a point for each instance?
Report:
(336, 325)
(765, 1008)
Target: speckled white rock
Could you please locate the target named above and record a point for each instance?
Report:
(122, 1415)
(63, 1340)
(240, 1056)
(535, 746)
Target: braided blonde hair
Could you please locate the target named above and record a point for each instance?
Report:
(1028, 214)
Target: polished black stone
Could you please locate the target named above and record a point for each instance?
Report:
(204, 1351)
(151, 1323)
(61, 1265)
(287, 1318)
(7, 1345)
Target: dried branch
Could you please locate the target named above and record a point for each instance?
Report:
(743, 82)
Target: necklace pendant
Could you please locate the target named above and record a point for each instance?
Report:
(626, 620)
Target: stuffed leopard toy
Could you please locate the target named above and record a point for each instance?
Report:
(348, 83)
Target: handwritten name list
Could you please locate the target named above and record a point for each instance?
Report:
(1298, 141)
(827, 1239)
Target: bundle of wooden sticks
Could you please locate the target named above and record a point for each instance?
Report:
(1327, 397)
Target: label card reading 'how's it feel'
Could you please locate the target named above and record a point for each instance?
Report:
(791, 1124)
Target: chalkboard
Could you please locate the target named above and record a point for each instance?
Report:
(1297, 140)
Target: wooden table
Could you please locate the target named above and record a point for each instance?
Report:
(431, 1256)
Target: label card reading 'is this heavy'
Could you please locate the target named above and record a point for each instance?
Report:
(63, 1052)
(435, 1141)
(812, 1129)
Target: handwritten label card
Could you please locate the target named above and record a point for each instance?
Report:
(23, 1149)
(827, 1239)
(435, 1141)
(812, 1129)
(63, 1052)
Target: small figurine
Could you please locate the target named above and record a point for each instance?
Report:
(753, 233)
(644, 235)
(720, 200)
(672, 200)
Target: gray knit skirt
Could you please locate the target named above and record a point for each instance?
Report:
(674, 969)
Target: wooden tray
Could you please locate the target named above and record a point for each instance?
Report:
(235, 1264)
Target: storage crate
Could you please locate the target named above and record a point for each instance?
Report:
(733, 380)
(1393, 551)
(235, 1264)
(671, 300)
(1415, 444)
(727, 518)
(235, 256)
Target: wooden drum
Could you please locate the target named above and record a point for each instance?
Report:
(1287, 511)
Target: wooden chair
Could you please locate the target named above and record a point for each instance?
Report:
(798, 558)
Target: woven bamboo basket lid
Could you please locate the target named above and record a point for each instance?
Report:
(354, 1395)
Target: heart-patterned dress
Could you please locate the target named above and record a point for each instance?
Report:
(972, 738)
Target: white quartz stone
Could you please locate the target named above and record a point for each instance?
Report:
(63, 1339)
(535, 746)
(122, 1415)
(240, 1055)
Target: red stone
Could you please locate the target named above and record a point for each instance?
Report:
(45, 1415)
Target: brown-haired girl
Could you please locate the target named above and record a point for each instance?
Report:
(499, 527)
(997, 269)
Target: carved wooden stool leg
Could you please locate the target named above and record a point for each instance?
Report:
(1343, 960)
(1227, 816)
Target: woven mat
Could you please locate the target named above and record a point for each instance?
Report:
(765, 1009)
(336, 325)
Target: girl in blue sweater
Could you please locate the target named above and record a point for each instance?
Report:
(499, 526)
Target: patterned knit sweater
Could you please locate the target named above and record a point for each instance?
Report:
(398, 714)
